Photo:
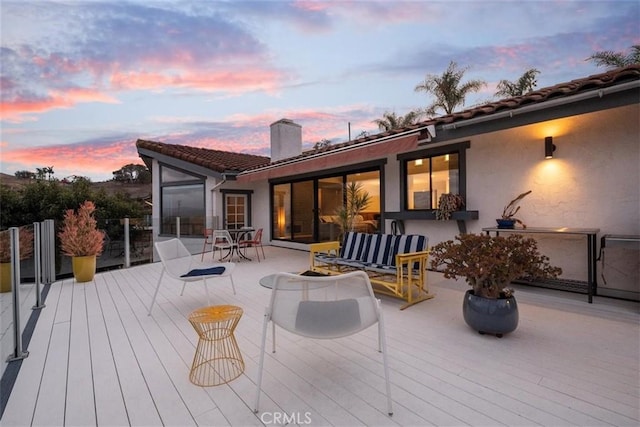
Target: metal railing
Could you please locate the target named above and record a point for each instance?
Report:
(31, 260)
(39, 263)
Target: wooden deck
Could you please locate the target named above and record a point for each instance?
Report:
(96, 358)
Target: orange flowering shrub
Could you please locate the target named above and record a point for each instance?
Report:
(80, 235)
(25, 240)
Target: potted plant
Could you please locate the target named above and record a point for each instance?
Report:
(25, 241)
(81, 240)
(447, 204)
(508, 219)
(489, 264)
(357, 200)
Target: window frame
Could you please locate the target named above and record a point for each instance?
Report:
(197, 180)
(342, 171)
(405, 158)
(247, 194)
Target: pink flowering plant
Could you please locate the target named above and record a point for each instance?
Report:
(25, 241)
(80, 235)
(490, 263)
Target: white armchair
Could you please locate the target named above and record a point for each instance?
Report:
(177, 263)
(323, 307)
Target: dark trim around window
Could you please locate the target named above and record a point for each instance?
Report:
(459, 148)
(377, 165)
(346, 170)
(197, 178)
(248, 193)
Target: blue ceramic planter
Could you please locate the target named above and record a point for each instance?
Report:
(490, 316)
(506, 223)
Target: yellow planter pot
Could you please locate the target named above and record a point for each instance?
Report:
(84, 268)
(5, 277)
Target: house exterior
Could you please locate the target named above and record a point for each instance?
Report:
(487, 154)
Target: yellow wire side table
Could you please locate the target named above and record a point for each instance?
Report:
(217, 360)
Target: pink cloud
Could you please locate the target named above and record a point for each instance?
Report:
(331, 124)
(76, 159)
(15, 110)
(311, 6)
(79, 94)
(238, 133)
(233, 81)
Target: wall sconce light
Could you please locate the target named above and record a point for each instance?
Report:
(549, 147)
(418, 162)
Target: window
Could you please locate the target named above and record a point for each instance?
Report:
(281, 214)
(302, 211)
(429, 177)
(306, 210)
(182, 196)
(236, 208)
(236, 211)
(428, 174)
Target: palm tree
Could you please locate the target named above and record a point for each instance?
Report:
(45, 172)
(611, 59)
(390, 120)
(448, 89)
(526, 83)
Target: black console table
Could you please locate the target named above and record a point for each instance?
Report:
(430, 215)
(590, 234)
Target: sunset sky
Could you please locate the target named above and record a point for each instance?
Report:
(82, 80)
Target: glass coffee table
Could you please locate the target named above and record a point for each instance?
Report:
(267, 281)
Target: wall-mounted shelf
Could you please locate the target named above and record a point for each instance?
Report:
(459, 216)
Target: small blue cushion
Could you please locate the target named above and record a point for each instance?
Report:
(204, 271)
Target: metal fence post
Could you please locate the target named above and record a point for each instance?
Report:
(37, 249)
(48, 252)
(18, 354)
(127, 244)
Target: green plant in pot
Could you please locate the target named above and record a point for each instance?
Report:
(357, 200)
(489, 264)
(508, 218)
(82, 241)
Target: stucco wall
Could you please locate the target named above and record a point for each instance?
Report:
(593, 181)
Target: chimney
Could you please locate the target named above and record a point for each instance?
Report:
(286, 139)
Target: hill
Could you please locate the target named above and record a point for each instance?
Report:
(136, 191)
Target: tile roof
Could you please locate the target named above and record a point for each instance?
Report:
(593, 82)
(221, 161)
(216, 160)
(574, 87)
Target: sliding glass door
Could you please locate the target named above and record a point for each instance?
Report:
(307, 210)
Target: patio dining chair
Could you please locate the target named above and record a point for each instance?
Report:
(323, 307)
(208, 241)
(255, 241)
(223, 241)
(177, 263)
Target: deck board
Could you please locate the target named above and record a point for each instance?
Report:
(27, 300)
(97, 358)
